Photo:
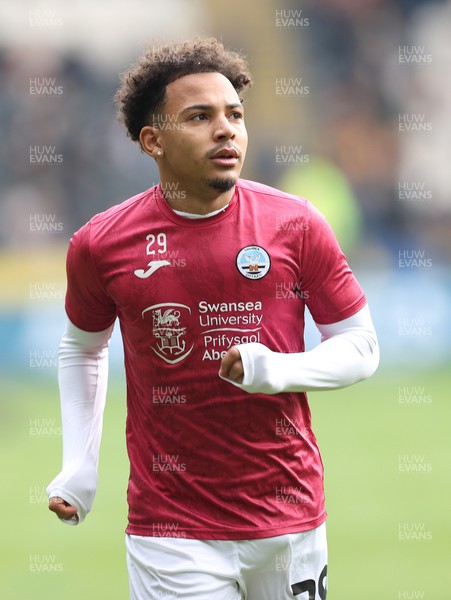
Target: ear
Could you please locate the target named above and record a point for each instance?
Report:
(149, 139)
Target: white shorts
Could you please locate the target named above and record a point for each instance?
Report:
(287, 566)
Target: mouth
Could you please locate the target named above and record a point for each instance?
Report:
(227, 157)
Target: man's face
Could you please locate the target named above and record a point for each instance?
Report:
(202, 134)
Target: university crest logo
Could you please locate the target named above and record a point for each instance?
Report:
(169, 331)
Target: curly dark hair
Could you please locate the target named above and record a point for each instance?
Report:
(143, 88)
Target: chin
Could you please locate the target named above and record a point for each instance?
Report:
(222, 184)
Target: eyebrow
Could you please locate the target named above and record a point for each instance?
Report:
(209, 107)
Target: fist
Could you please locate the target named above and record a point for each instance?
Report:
(232, 366)
(63, 509)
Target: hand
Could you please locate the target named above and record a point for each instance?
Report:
(232, 366)
(63, 509)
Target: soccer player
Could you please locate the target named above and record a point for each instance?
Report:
(209, 276)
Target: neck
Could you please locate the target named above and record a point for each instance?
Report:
(198, 203)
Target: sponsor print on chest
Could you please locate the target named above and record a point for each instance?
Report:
(215, 326)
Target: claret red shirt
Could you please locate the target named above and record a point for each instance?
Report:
(207, 459)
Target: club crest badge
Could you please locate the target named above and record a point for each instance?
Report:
(253, 262)
(169, 331)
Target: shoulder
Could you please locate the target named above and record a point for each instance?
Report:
(125, 210)
(266, 192)
(114, 218)
(277, 201)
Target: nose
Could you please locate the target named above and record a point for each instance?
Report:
(224, 129)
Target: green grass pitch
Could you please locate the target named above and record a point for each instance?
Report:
(386, 448)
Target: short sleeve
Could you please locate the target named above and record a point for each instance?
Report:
(88, 306)
(331, 291)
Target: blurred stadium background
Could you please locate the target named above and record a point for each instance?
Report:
(350, 108)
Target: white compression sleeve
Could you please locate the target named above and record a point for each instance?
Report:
(83, 376)
(348, 353)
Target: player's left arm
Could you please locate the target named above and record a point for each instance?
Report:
(348, 353)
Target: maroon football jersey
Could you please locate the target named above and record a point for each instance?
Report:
(207, 459)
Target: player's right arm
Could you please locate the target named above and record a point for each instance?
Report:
(82, 377)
